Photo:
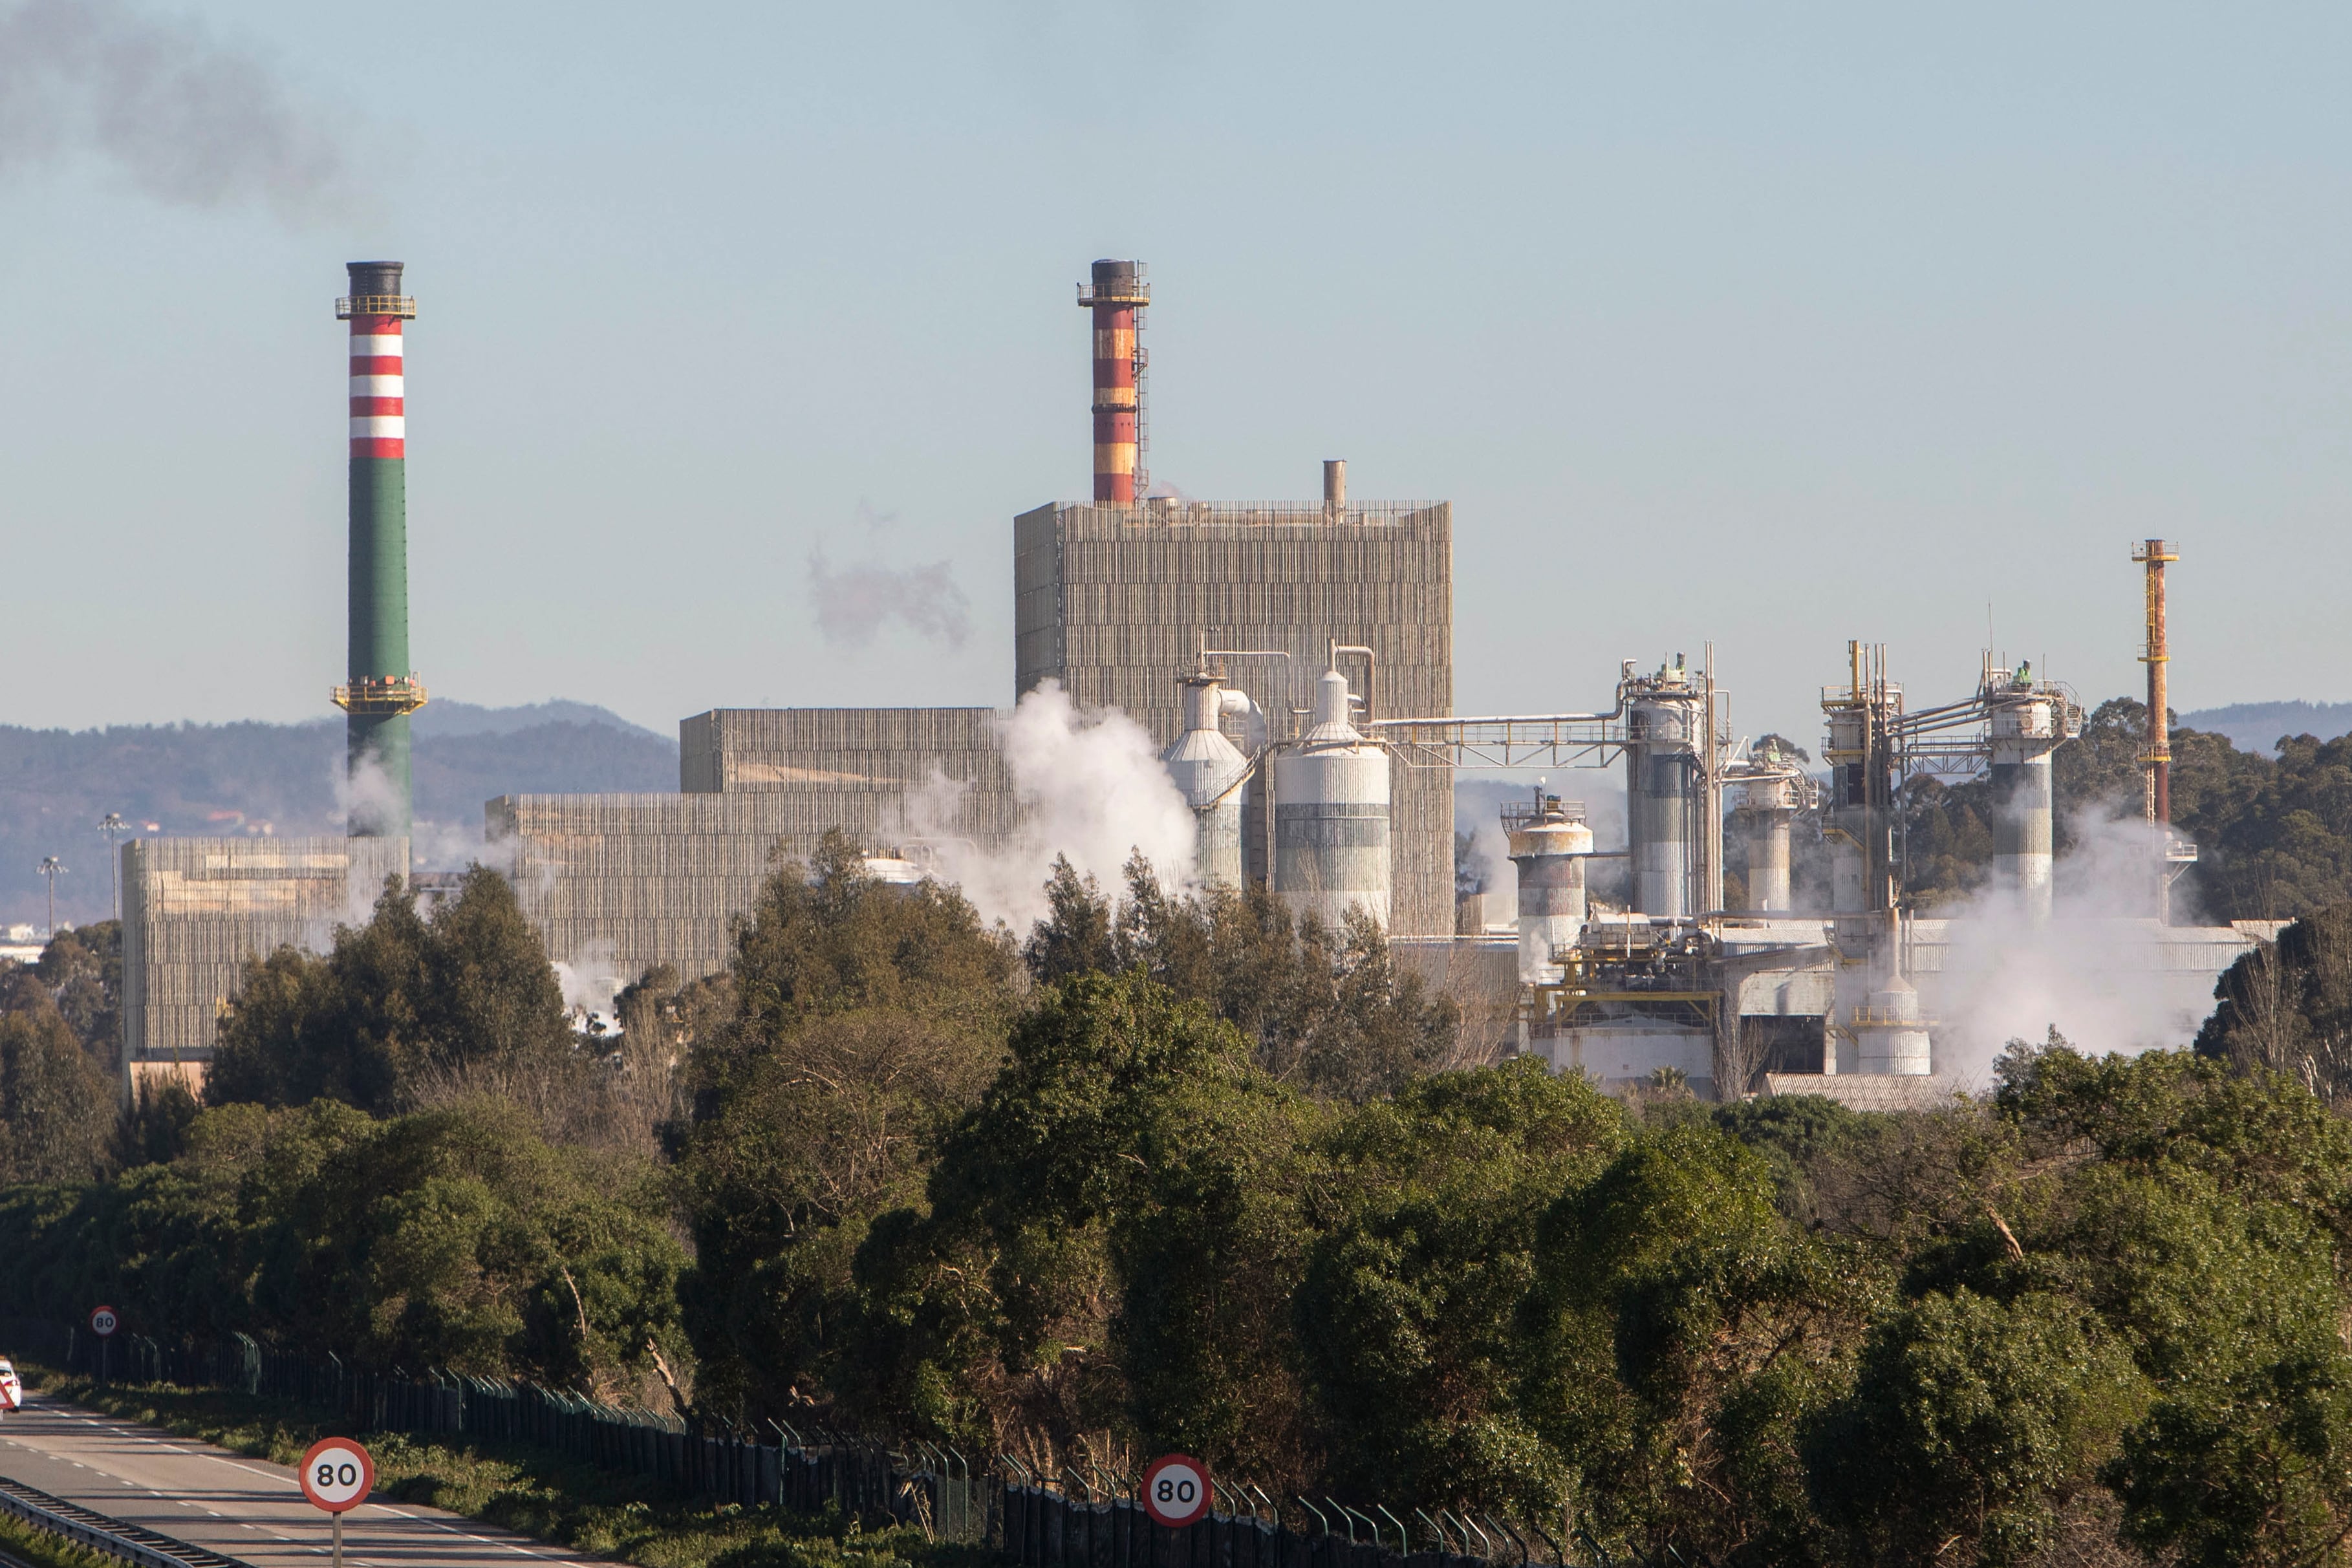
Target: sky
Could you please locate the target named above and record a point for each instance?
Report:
(1767, 326)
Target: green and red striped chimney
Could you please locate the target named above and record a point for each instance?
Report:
(380, 690)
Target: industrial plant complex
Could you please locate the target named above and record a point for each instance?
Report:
(1294, 663)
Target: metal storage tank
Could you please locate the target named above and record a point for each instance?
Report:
(1549, 845)
(1890, 1037)
(1210, 770)
(2025, 732)
(1664, 790)
(1767, 807)
(1331, 815)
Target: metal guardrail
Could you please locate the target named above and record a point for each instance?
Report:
(130, 1543)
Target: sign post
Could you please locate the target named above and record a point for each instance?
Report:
(103, 1322)
(337, 1476)
(1176, 1490)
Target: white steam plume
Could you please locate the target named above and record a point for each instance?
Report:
(189, 120)
(592, 979)
(2091, 971)
(1090, 787)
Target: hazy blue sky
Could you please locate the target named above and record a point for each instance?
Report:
(1776, 325)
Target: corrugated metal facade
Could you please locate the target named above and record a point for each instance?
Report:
(1112, 601)
(634, 881)
(193, 911)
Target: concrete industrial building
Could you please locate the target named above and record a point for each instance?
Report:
(1114, 602)
(193, 911)
(629, 882)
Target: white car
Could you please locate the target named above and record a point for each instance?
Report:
(12, 1391)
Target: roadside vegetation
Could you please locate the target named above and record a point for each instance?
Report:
(600, 1513)
(1169, 1173)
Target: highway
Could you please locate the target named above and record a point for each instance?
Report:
(242, 1508)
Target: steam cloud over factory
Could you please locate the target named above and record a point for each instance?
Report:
(1290, 668)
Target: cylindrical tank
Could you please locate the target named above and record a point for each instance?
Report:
(1767, 810)
(1115, 296)
(2024, 733)
(1548, 847)
(1208, 770)
(1331, 815)
(1663, 790)
(1890, 1037)
(1850, 809)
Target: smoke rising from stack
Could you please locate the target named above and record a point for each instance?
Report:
(855, 603)
(189, 120)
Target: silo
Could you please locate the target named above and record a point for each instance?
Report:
(1767, 807)
(1210, 770)
(1548, 846)
(1850, 811)
(1890, 1037)
(2025, 732)
(1331, 815)
(1664, 790)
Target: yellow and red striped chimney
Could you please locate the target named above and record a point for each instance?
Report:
(1117, 297)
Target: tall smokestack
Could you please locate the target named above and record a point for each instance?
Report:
(2158, 756)
(379, 691)
(1335, 484)
(1117, 297)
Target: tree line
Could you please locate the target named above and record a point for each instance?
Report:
(1169, 1172)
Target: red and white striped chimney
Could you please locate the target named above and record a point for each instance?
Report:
(379, 395)
(1117, 296)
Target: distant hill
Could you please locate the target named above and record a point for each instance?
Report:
(2257, 726)
(439, 717)
(281, 779)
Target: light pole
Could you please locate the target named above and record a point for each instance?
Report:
(53, 868)
(114, 827)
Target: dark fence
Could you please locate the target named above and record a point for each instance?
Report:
(1042, 1521)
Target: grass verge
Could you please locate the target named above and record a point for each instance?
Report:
(39, 1549)
(577, 1506)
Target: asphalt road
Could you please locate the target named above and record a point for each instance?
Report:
(247, 1509)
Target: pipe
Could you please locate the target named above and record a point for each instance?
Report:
(1117, 297)
(1339, 648)
(2157, 656)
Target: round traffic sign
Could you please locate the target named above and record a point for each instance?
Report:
(336, 1474)
(103, 1322)
(1176, 1490)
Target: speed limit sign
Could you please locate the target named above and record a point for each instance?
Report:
(103, 1322)
(336, 1474)
(1176, 1490)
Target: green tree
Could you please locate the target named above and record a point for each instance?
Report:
(400, 1008)
(1973, 1421)
(1678, 1338)
(1329, 1011)
(1422, 1251)
(1104, 1247)
(866, 1018)
(57, 1109)
(2286, 1006)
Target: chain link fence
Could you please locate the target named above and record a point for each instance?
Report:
(1070, 1520)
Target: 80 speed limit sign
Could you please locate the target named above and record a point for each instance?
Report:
(336, 1474)
(1176, 1490)
(103, 1322)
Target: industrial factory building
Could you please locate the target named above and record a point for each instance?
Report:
(629, 882)
(1114, 600)
(1294, 662)
(193, 911)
